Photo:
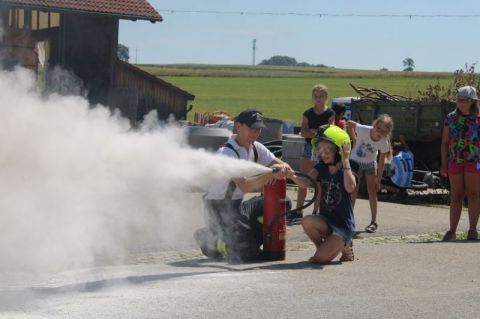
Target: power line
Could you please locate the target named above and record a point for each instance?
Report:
(324, 14)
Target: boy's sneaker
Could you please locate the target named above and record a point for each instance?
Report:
(295, 215)
(204, 239)
(210, 253)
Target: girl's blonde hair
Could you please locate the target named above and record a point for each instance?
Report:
(387, 121)
(320, 88)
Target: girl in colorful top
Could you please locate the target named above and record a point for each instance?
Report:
(460, 160)
(312, 119)
(368, 141)
(333, 229)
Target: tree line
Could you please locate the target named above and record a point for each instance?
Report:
(123, 54)
(287, 61)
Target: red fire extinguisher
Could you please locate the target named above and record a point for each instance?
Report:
(275, 220)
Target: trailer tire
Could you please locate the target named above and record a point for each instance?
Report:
(418, 185)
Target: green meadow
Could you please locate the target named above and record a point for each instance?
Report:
(282, 92)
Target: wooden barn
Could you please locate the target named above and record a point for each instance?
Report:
(80, 38)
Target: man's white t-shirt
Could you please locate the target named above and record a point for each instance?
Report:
(365, 150)
(218, 190)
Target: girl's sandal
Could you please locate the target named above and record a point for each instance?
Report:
(371, 228)
(472, 234)
(347, 253)
(313, 260)
(449, 236)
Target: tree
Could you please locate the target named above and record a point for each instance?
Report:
(123, 53)
(279, 60)
(289, 61)
(438, 91)
(408, 64)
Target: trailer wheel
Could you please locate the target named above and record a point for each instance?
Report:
(418, 186)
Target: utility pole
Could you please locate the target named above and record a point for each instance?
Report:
(254, 47)
(136, 56)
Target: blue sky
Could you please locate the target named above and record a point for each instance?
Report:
(435, 44)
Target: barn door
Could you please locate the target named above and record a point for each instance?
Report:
(42, 49)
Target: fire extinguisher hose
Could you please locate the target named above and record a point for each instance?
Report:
(310, 202)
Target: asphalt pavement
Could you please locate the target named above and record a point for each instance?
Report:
(401, 271)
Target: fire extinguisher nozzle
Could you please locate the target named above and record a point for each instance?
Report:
(275, 169)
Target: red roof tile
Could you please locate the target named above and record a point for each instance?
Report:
(129, 9)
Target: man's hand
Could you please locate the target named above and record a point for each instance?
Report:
(281, 171)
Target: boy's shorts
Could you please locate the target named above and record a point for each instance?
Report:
(361, 169)
(307, 151)
(456, 169)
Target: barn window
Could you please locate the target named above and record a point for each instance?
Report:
(20, 19)
(39, 20)
(54, 19)
(44, 20)
(16, 18)
(34, 20)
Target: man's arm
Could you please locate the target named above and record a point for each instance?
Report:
(252, 183)
(277, 161)
(255, 183)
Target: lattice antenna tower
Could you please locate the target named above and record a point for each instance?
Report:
(254, 48)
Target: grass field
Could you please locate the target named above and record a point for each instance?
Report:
(281, 92)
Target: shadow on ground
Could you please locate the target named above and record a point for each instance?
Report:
(267, 265)
(427, 197)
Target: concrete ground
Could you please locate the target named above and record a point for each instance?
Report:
(402, 271)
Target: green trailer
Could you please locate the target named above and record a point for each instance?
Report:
(419, 122)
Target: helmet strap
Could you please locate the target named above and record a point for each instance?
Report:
(337, 160)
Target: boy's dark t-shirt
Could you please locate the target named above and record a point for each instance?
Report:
(335, 202)
(315, 120)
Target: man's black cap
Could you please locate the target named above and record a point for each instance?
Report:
(252, 118)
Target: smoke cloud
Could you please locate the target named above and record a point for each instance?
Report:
(77, 184)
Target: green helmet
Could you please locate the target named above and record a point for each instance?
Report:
(332, 134)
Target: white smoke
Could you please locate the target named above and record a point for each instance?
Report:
(78, 184)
